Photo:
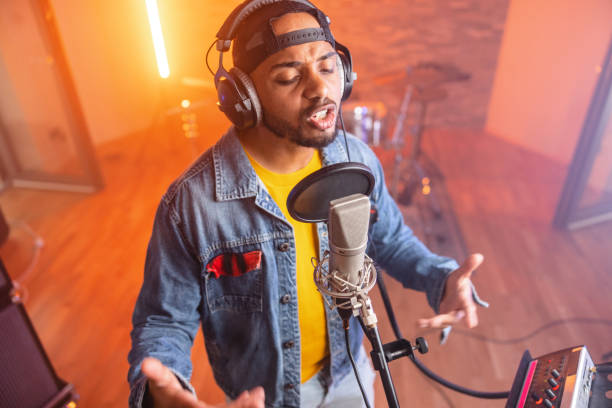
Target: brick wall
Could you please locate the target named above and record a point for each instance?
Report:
(387, 36)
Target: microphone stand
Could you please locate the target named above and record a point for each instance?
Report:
(348, 277)
(363, 311)
(379, 360)
(352, 299)
(381, 354)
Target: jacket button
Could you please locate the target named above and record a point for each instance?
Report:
(284, 247)
(288, 344)
(285, 299)
(288, 387)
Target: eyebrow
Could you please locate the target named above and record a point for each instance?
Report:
(293, 64)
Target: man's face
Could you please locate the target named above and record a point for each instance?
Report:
(299, 87)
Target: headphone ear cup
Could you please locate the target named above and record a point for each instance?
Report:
(246, 85)
(230, 102)
(238, 98)
(346, 76)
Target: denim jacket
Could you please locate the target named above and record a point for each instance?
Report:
(250, 320)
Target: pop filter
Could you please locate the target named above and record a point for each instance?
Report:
(309, 199)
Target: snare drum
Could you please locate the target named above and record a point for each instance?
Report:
(366, 120)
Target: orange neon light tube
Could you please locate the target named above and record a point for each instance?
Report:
(158, 39)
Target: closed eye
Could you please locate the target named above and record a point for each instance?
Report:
(285, 82)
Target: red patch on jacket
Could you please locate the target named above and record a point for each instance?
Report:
(234, 264)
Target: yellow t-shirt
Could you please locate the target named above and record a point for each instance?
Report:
(311, 306)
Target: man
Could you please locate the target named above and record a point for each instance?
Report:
(224, 251)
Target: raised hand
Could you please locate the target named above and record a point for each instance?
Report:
(457, 301)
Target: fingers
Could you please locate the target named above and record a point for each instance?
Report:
(469, 266)
(461, 290)
(159, 375)
(442, 320)
(164, 387)
(254, 398)
(258, 393)
(471, 317)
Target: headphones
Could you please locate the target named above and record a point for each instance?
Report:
(237, 97)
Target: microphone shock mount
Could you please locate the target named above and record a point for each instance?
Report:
(344, 294)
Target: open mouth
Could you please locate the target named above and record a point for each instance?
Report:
(323, 117)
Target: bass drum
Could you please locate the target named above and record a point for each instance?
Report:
(367, 121)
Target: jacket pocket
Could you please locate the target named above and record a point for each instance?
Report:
(234, 282)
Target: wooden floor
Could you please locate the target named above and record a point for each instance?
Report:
(546, 287)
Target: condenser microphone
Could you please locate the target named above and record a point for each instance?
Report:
(349, 219)
(350, 272)
(338, 195)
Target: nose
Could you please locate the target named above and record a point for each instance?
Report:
(316, 86)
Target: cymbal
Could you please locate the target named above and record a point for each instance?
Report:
(429, 94)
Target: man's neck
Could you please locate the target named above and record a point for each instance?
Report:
(274, 153)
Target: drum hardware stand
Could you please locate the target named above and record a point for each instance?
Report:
(423, 86)
(397, 137)
(418, 178)
(421, 169)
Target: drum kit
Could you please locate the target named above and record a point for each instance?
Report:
(367, 120)
(371, 122)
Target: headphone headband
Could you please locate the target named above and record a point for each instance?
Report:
(227, 32)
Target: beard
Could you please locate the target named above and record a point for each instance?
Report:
(299, 134)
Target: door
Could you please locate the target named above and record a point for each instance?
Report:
(586, 198)
(44, 142)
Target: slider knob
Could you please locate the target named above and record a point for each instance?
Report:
(548, 404)
(553, 384)
(536, 397)
(555, 373)
(550, 394)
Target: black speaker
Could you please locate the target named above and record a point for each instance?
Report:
(6, 287)
(4, 228)
(27, 378)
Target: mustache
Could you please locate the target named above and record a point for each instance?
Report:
(315, 106)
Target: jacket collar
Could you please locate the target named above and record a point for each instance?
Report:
(235, 178)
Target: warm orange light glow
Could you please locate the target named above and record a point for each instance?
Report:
(426, 189)
(158, 39)
(185, 103)
(71, 404)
